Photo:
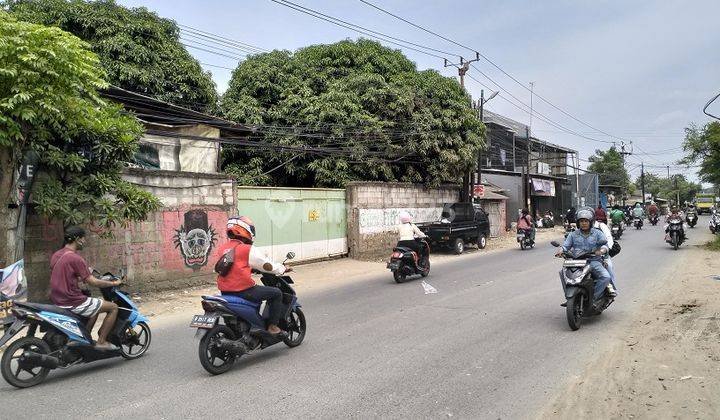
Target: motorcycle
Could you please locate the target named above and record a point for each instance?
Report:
(691, 219)
(675, 233)
(579, 286)
(232, 326)
(524, 239)
(405, 262)
(638, 223)
(569, 228)
(715, 223)
(653, 219)
(616, 231)
(27, 361)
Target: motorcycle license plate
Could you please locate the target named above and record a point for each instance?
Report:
(393, 265)
(203, 321)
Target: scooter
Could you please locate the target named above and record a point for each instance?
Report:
(653, 219)
(569, 228)
(638, 223)
(232, 326)
(675, 233)
(691, 219)
(28, 360)
(715, 223)
(524, 239)
(579, 287)
(405, 262)
(616, 231)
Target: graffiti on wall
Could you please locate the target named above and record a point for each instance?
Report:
(385, 220)
(195, 239)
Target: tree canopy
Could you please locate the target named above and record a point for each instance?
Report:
(50, 106)
(609, 165)
(702, 145)
(668, 188)
(139, 51)
(366, 108)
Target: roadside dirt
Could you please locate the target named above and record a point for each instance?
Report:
(668, 364)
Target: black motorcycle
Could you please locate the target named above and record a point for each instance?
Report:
(232, 326)
(675, 233)
(66, 340)
(616, 231)
(653, 219)
(638, 223)
(579, 286)
(569, 228)
(524, 238)
(405, 262)
(714, 223)
(691, 218)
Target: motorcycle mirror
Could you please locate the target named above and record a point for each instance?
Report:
(290, 255)
(555, 244)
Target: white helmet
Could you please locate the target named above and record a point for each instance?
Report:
(585, 213)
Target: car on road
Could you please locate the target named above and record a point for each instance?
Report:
(460, 224)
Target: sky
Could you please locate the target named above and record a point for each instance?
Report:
(626, 71)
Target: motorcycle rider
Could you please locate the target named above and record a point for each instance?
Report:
(653, 209)
(239, 282)
(408, 232)
(617, 216)
(68, 270)
(638, 212)
(570, 216)
(675, 214)
(525, 224)
(584, 240)
(612, 288)
(690, 210)
(600, 213)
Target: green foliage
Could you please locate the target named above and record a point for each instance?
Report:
(668, 188)
(713, 245)
(609, 166)
(358, 95)
(139, 51)
(50, 107)
(702, 146)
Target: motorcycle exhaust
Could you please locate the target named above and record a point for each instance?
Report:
(235, 347)
(42, 360)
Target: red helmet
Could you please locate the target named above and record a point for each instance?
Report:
(241, 227)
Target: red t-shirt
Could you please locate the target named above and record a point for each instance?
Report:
(238, 278)
(67, 269)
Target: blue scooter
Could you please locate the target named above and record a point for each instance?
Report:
(233, 326)
(66, 341)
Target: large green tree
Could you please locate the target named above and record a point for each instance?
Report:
(702, 146)
(391, 121)
(609, 165)
(50, 107)
(139, 50)
(669, 188)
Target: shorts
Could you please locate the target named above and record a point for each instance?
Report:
(87, 309)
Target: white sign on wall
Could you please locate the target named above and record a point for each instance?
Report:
(385, 220)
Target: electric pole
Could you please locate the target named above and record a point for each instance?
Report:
(623, 153)
(642, 181)
(463, 67)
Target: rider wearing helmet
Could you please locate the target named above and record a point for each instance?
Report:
(238, 281)
(585, 240)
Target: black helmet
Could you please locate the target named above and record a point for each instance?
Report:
(73, 233)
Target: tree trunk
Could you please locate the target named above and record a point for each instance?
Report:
(8, 214)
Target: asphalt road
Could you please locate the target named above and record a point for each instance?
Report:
(492, 343)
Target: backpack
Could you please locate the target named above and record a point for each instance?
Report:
(225, 263)
(615, 249)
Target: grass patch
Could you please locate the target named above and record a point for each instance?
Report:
(713, 245)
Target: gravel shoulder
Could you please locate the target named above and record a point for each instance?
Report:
(667, 364)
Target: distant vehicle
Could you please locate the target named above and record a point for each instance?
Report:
(459, 224)
(405, 262)
(704, 203)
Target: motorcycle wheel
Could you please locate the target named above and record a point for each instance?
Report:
(675, 242)
(522, 245)
(209, 353)
(13, 372)
(574, 311)
(138, 337)
(296, 328)
(398, 276)
(424, 272)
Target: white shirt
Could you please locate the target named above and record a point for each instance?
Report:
(408, 232)
(606, 231)
(261, 262)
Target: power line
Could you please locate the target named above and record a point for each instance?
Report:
(212, 52)
(221, 38)
(213, 47)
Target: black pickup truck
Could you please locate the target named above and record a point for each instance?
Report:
(460, 224)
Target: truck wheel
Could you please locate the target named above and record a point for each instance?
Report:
(458, 246)
(482, 241)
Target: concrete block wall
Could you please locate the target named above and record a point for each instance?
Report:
(173, 247)
(372, 209)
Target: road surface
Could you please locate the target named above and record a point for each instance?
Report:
(492, 343)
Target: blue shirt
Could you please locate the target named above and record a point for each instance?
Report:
(578, 243)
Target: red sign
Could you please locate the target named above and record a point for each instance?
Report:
(479, 191)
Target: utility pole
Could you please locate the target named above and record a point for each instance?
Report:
(526, 177)
(463, 67)
(677, 191)
(528, 133)
(623, 153)
(642, 181)
(577, 178)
